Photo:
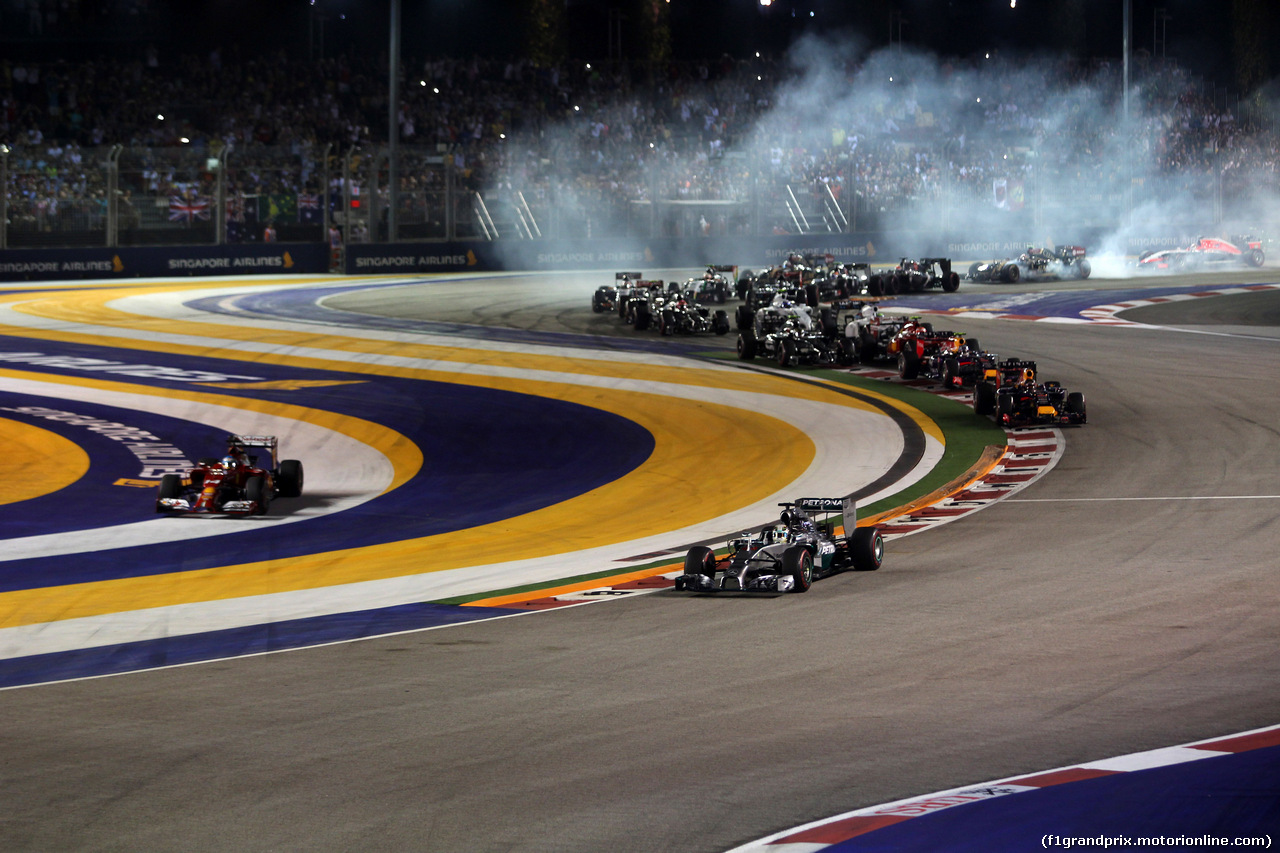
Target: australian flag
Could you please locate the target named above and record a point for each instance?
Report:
(309, 210)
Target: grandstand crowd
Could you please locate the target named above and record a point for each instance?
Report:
(611, 135)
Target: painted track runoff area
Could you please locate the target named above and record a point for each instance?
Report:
(440, 467)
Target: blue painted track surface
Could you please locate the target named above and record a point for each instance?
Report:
(1067, 304)
(235, 642)
(1227, 796)
(478, 467)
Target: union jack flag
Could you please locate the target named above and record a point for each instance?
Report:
(183, 209)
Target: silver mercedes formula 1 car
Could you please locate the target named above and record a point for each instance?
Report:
(787, 556)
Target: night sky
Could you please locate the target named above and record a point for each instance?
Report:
(1198, 33)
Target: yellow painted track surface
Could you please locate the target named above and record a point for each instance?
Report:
(707, 424)
(36, 462)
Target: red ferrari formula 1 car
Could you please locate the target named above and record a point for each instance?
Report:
(1206, 251)
(237, 484)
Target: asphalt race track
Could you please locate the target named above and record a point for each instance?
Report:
(1126, 601)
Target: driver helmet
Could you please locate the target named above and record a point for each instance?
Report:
(1028, 375)
(229, 462)
(780, 532)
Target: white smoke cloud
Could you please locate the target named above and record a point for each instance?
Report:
(928, 143)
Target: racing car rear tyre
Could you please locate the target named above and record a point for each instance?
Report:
(951, 283)
(643, 316)
(798, 563)
(1011, 274)
(746, 345)
(828, 322)
(1255, 258)
(743, 317)
(720, 323)
(700, 560)
(867, 549)
(289, 480)
(811, 295)
(875, 286)
(984, 398)
(973, 269)
(1083, 268)
(866, 347)
(665, 323)
(908, 364)
(255, 489)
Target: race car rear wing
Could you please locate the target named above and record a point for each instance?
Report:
(846, 506)
(733, 268)
(944, 264)
(633, 276)
(253, 440)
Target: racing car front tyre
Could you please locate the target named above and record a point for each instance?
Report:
(1075, 405)
(720, 323)
(170, 487)
(642, 316)
(950, 372)
(700, 560)
(744, 317)
(1083, 268)
(665, 323)
(786, 351)
(867, 549)
(798, 563)
(256, 490)
(289, 479)
(746, 345)
(973, 270)
(1011, 274)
